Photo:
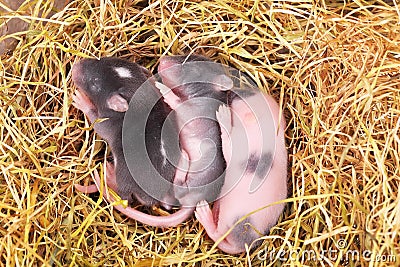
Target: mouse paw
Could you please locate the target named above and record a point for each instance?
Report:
(83, 103)
(169, 97)
(163, 88)
(204, 215)
(224, 117)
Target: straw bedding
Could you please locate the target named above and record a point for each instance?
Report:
(333, 66)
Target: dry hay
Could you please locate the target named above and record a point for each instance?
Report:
(333, 67)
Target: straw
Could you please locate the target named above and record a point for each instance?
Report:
(333, 67)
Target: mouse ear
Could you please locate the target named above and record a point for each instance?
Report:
(117, 103)
(223, 83)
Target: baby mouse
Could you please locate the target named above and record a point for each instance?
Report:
(105, 88)
(256, 173)
(194, 87)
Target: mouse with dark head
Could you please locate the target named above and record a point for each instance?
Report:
(105, 88)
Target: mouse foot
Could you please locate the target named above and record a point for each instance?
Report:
(224, 118)
(82, 102)
(204, 215)
(169, 97)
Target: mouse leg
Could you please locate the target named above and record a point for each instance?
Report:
(179, 179)
(204, 215)
(83, 103)
(182, 168)
(181, 187)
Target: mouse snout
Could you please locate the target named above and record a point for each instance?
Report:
(166, 62)
(170, 71)
(78, 76)
(77, 72)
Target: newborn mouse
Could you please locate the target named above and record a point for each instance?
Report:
(256, 173)
(194, 87)
(105, 88)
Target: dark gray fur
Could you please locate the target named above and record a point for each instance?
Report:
(99, 81)
(264, 165)
(207, 128)
(244, 233)
(258, 165)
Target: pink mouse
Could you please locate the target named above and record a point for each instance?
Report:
(256, 174)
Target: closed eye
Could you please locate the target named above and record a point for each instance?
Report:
(95, 84)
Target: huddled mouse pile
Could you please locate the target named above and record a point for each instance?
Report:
(190, 136)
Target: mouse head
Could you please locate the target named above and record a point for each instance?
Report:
(109, 82)
(184, 74)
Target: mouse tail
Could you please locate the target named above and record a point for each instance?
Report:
(158, 221)
(86, 189)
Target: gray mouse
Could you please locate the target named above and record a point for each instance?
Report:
(105, 88)
(192, 87)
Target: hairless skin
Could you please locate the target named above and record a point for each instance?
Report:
(258, 159)
(105, 88)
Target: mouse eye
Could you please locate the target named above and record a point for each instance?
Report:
(95, 84)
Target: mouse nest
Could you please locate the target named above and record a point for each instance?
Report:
(333, 67)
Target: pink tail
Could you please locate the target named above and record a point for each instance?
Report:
(157, 221)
